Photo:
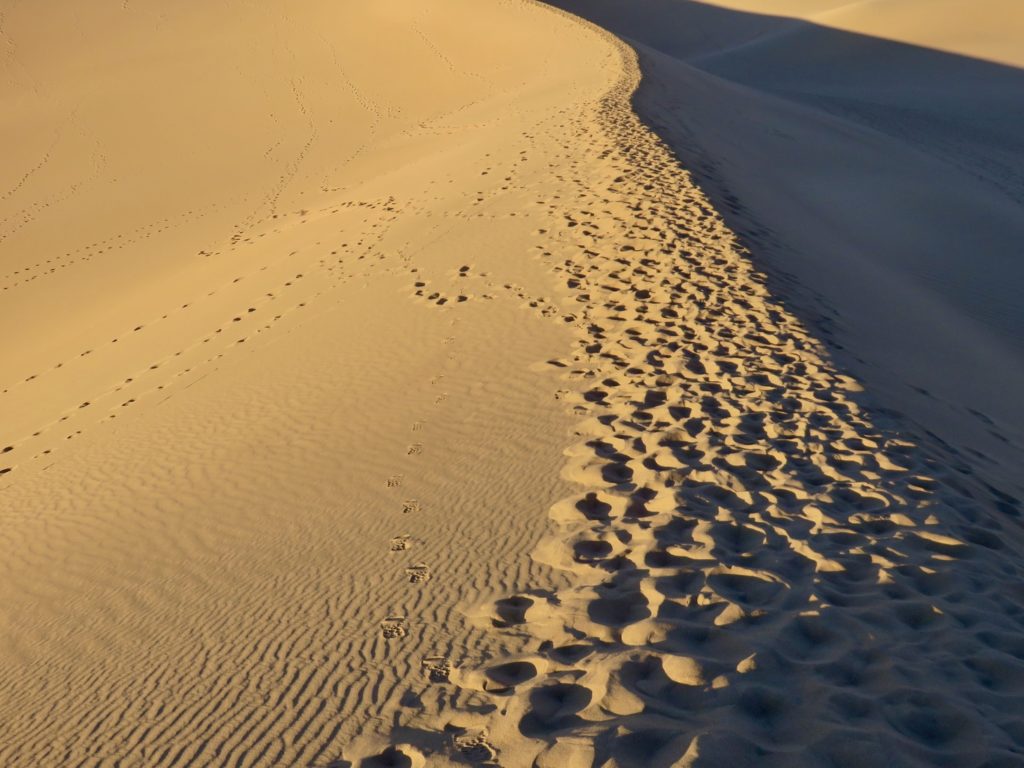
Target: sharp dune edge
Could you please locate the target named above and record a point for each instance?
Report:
(300, 344)
(871, 151)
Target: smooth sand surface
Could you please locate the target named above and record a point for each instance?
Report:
(383, 391)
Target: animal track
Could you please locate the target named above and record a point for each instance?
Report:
(151, 376)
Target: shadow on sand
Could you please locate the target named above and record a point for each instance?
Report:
(880, 184)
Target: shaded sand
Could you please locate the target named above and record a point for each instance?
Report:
(314, 505)
(873, 151)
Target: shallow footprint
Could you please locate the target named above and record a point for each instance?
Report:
(418, 573)
(393, 627)
(474, 748)
(437, 668)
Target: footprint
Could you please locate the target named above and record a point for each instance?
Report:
(394, 481)
(473, 747)
(418, 574)
(410, 506)
(400, 543)
(438, 669)
(555, 707)
(511, 610)
(512, 673)
(393, 627)
(414, 450)
(393, 757)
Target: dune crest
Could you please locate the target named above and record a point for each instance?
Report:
(869, 155)
(766, 569)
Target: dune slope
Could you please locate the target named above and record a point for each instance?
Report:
(767, 568)
(272, 416)
(872, 151)
(457, 427)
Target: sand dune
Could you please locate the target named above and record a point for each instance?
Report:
(767, 569)
(267, 385)
(872, 150)
(387, 393)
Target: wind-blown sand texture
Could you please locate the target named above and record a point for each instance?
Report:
(288, 480)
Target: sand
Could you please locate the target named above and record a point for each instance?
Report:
(871, 151)
(385, 392)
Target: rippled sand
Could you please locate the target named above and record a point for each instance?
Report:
(383, 391)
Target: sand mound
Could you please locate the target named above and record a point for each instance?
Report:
(307, 318)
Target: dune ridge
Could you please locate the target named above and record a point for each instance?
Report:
(766, 568)
(870, 156)
(464, 432)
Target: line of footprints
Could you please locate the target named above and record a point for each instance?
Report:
(437, 668)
